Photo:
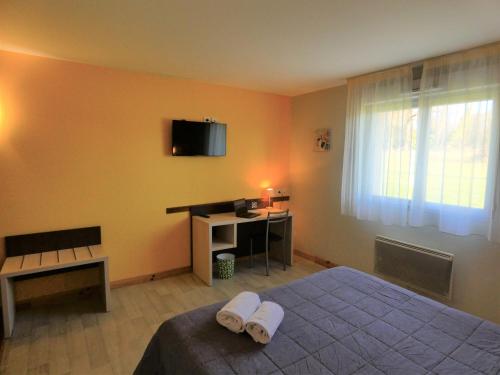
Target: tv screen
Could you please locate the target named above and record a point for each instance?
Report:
(191, 138)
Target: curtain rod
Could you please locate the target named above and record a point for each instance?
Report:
(418, 62)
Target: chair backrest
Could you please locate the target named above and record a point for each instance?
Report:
(276, 217)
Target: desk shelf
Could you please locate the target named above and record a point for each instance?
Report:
(223, 237)
(218, 244)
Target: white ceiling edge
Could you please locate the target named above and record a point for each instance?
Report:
(34, 53)
(284, 47)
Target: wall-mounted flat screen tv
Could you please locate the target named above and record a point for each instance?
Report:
(193, 138)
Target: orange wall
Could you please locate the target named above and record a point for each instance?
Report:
(82, 145)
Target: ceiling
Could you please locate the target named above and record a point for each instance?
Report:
(287, 47)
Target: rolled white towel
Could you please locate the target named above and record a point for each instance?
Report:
(236, 312)
(265, 321)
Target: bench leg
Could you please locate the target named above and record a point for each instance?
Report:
(8, 306)
(105, 292)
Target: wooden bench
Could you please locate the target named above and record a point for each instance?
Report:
(32, 263)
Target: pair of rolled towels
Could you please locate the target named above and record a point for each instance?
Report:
(246, 312)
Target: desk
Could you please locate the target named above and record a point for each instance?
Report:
(219, 232)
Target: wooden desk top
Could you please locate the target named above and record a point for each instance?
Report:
(231, 218)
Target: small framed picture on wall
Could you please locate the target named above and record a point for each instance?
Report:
(322, 139)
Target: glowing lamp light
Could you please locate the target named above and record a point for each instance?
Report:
(269, 191)
(265, 184)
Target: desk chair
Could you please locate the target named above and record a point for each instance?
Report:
(273, 218)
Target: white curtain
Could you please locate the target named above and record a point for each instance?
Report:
(426, 153)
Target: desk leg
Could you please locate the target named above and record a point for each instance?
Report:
(202, 255)
(8, 306)
(105, 293)
(290, 242)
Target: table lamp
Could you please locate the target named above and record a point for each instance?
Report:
(269, 190)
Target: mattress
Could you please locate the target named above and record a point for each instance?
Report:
(338, 321)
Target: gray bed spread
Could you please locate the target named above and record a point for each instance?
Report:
(338, 321)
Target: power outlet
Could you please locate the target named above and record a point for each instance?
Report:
(280, 191)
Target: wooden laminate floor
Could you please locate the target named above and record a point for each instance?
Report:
(69, 335)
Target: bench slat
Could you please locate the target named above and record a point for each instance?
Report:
(12, 264)
(97, 251)
(82, 253)
(66, 256)
(49, 259)
(31, 261)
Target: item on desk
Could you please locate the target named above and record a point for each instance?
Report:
(236, 312)
(265, 321)
(241, 209)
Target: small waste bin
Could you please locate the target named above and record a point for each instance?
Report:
(225, 265)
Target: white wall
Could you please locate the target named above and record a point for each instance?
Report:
(321, 230)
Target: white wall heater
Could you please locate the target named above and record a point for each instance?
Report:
(426, 270)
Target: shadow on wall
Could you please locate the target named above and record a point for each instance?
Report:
(166, 130)
(2, 250)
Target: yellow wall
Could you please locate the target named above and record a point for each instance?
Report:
(321, 230)
(82, 145)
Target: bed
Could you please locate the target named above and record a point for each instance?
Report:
(338, 321)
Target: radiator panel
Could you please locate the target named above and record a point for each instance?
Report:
(424, 269)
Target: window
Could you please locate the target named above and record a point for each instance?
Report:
(457, 167)
(459, 144)
(422, 144)
(398, 155)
